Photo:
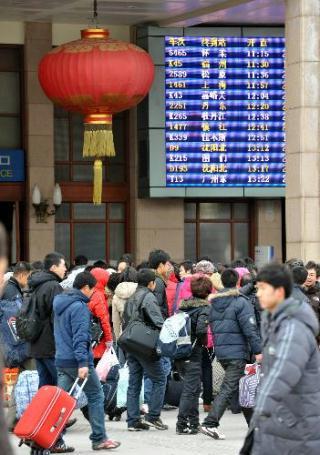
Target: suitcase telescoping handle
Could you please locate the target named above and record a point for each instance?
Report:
(80, 388)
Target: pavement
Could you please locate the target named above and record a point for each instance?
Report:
(155, 442)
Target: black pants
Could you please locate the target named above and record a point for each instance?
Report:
(206, 367)
(189, 402)
(234, 370)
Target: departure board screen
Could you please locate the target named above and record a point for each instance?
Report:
(225, 111)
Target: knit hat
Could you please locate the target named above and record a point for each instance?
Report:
(205, 267)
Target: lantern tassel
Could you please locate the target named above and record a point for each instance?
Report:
(97, 182)
(98, 141)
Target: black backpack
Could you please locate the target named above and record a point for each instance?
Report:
(28, 323)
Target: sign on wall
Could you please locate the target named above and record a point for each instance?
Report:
(12, 165)
(225, 111)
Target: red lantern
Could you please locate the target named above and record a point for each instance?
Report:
(96, 76)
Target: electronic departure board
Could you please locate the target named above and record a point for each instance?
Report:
(225, 111)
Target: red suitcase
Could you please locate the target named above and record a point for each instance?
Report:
(46, 416)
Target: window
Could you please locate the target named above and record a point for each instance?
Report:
(220, 230)
(70, 166)
(96, 231)
(10, 97)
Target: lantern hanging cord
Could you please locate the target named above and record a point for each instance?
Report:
(95, 13)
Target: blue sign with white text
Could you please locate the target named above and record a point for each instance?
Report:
(12, 165)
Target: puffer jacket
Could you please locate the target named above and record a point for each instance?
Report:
(149, 311)
(234, 326)
(12, 290)
(98, 306)
(198, 309)
(72, 330)
(45, 286)
(121, 294)
(287, 413)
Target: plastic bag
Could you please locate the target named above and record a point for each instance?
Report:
(107, 361)
(123, 388)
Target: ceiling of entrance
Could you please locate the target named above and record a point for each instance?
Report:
(157, 12)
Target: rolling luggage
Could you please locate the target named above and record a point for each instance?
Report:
(45, 418)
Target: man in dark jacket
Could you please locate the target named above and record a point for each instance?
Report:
(234, 327)
(143, 305)
(197, 307)
(14, 288)
(74, 357)
(159, 261)
(45, 286)
(312, 288)
(286, 418)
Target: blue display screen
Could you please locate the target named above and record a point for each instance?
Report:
(225, 111)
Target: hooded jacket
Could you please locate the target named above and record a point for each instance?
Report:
(44, 286)
(234, 326)
(198, 310)
(98, 306)
(72, 330)
(121, 294)
(287, 412)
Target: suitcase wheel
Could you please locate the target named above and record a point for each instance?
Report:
(40, 452)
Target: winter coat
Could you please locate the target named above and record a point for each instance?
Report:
(149, 311)
(72, 330)
(98, 306)
(161, 296)
(287, 412)
(184, 291)
(12, 290)
(171, 292)
(67, 283)
(121, 294)
(249, 290)
(45, 286)
(313, 294)
(199, 310)
(234, 326)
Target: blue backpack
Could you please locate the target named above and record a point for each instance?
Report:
(175, 337)
(14, 349)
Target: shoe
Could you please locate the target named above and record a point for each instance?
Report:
(108, 444)
(156, 423)
(62, 448)
(207, 407)
(212, 432)
(183, 430)
(140, 425)
(168, 407)
(71, 422)
(194, 429)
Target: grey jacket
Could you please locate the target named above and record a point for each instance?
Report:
(286, 419)
(143, 305)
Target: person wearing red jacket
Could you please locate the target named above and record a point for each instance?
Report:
(98, 306)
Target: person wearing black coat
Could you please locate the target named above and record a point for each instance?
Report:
(17, 282)
(236, 335)
(143, 306)
(197, 307)
(45, 286)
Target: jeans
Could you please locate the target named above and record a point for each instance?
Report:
(94, 393)
(148, 386)
(47, 371)
(155, 373)
(234, 370)
(206, 367)
(190, 370)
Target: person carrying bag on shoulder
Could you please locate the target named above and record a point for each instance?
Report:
(142, 322)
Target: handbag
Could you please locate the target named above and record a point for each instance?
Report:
(138, 338)
(107, 361)
(248, 386)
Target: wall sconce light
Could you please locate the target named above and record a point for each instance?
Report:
(42, 207)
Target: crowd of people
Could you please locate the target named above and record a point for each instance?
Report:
(238, 315)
